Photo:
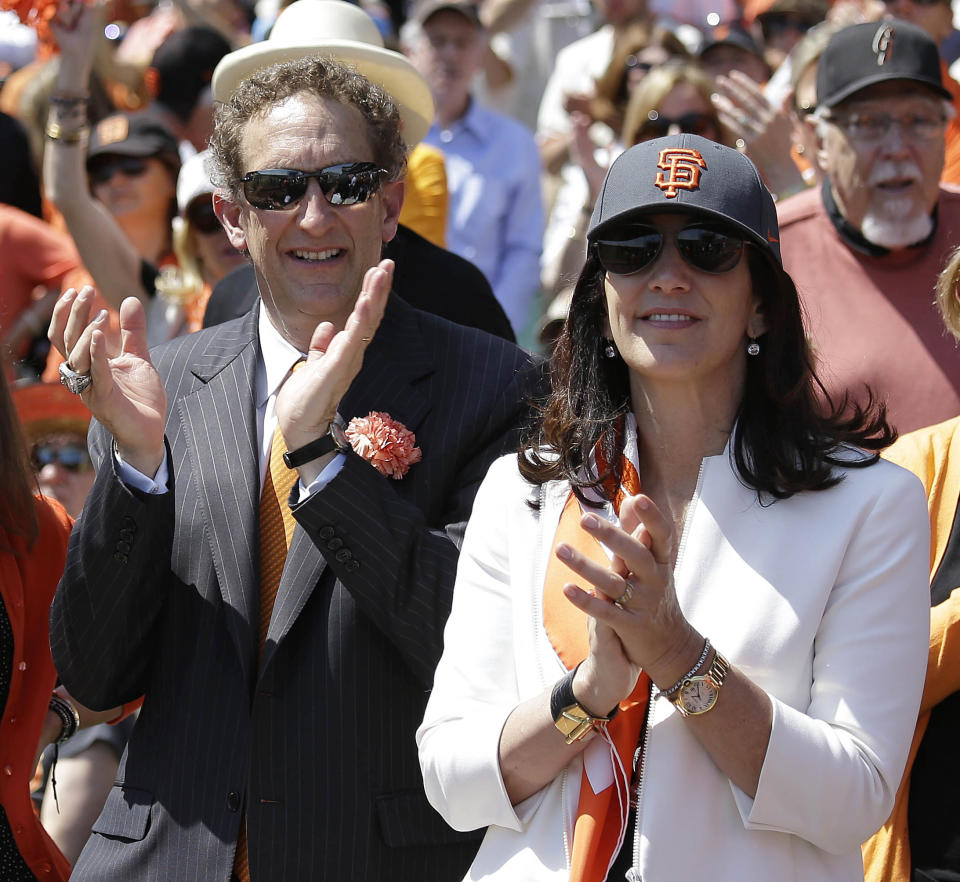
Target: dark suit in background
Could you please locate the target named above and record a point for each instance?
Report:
(160, 598)
(427, 277)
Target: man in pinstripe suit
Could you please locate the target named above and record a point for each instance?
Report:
(309, 743)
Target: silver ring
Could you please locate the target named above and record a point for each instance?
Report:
(365, 339)
(625, 597)
(75, 383)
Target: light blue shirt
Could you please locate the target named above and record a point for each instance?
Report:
(495, 208)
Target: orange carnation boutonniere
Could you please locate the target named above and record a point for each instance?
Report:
(389, 446)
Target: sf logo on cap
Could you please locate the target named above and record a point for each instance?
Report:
(683, 166)
(883, 43)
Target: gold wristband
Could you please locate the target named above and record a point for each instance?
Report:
(56, 132)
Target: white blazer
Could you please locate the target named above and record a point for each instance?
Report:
(821, 599)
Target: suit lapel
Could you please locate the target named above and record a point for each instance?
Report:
(394, 363)
(218, 422)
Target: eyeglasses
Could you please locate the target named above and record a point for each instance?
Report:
(73, 457)
(201, 215)
(776, 24)
(101, 170)
(705, 248)
(277, 189)
(874, 126)
(656, 126)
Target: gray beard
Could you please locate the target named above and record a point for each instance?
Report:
(895, 233)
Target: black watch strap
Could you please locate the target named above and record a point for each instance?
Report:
(293, 459)
(562, 697)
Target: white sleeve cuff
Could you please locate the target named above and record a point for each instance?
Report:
(330, 471)
(156, 485)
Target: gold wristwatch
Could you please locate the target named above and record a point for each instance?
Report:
(697, 695)
(569, 717)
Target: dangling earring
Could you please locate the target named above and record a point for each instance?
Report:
(753, 348)
(609, 351)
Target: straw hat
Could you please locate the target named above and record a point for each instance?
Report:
(346, 33)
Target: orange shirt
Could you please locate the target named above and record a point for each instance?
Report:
(951, 159)
(28, 580)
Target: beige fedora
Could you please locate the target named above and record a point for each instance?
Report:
(346, 33)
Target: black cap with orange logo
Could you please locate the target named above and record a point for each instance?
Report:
(687, 174)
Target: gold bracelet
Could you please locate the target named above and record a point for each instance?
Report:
(55, 132)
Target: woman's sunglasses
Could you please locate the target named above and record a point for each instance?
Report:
(704, 248)
(73, 457)
(277, 189)
(201, 216)
(100, 171)
(657, 126)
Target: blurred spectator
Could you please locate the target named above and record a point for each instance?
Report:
(178, 80)
(866, 248)
(495, 217)
(784, 23)
(35, 259)
(577, 68)
(920, 842)
(936, 18)
(728, 48)
(19, 184)
(54, 423)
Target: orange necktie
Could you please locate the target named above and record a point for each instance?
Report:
(276, 531)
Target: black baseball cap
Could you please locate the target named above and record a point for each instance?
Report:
(688, 174)
(874, 52)
(727, 35)
(125, 134)
(183, 66)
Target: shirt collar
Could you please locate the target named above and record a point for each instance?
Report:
(473, 121)
(278, 356)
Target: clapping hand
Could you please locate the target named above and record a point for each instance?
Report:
(126, 393)
(632, 600)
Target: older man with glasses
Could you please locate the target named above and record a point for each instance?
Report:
(269, 549)
(866, 248)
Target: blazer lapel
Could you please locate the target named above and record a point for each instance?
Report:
(393, 364)
(218, 422)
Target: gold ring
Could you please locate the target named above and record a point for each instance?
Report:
(365, 339)
(625, 597)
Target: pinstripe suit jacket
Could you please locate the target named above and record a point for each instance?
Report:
(159, 598)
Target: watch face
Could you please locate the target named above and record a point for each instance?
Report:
(698, 695)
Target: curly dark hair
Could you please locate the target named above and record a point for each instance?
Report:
(788, 433)
(322, 77)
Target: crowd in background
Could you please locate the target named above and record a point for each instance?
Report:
(106, 110)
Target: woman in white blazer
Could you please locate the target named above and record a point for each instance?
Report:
(689, 630)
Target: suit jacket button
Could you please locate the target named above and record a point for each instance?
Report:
(352, 565)
(344, 554)
(326, 532)
(233, 801)
(123, 547)
(335, 543)
(120, 556)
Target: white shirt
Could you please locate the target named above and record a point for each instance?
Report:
(275, 361)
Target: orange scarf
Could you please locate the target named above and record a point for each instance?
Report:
(601, 817)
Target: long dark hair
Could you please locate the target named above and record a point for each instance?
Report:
(18, 517)
(788, 433)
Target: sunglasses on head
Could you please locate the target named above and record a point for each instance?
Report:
(656, 126)
(73, 457)
(201, 215)
(100, 171)
(277, 189)
(704, 247)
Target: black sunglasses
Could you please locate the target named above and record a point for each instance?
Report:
(73, 457)
(705, 248)
(201, 215)
(277, 189)
(100, 171)
(656, 126)
(773, 25)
